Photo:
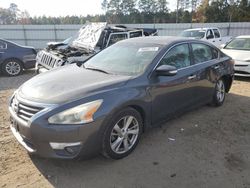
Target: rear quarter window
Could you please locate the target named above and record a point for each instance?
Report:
(203, 53)
(3, 45)
(216, 33)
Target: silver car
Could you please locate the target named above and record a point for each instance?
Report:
(239, 50)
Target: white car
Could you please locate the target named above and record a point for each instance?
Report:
(239, 50)
(211, 34)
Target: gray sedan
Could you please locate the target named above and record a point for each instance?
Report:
(14, 58)
(105, 104)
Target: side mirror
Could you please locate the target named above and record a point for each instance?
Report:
(222, 46)
(166, 70)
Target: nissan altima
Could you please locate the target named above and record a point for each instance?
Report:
(104, 104)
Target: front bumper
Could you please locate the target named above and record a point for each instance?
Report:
(29, 61)
(242, 69)
(37, 136)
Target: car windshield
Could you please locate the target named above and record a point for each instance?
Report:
(239, 44)
(124, 58)
(193, 33)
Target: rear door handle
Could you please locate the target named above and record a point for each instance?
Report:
(191, 77)
(216, 66)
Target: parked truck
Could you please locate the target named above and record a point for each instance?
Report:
(212, 35)
(90, 39)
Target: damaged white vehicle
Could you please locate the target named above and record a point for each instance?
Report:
(90, 39)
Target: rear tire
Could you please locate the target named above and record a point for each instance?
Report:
(122, 134)
(12, 67)
(219, 93)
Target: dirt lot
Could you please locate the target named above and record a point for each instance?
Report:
(208, 147)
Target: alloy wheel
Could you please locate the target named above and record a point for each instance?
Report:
(124, 134)
(220, 90)
(13, 68)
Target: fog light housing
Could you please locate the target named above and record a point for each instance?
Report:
(66, 149)
(56, 145)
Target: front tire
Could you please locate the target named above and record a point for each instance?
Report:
(122, 134)
(219, 93)
(12, 67)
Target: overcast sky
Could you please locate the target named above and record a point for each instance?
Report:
(61, 7)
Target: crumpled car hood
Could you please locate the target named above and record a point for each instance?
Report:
(89, 35)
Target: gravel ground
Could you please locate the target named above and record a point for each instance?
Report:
(207, 147)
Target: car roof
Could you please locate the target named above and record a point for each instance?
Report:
(243, 36)
(160, 40)
(201, 28)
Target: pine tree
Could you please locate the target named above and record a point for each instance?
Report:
(128, 6)
(147, 6)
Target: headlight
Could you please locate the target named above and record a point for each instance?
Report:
(77, 115)
(39, 54)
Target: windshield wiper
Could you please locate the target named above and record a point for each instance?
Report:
(96, 69)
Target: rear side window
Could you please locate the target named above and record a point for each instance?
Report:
(216, 33)
(210, 34)
(135, 34)
(178, 56)
(202, 53)
(3, 45)
(114, 38)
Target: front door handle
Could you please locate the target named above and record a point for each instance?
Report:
(192, 77)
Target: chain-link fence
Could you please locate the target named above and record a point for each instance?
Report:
(38, 35)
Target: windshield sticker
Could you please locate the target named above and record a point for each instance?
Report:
(148, 49)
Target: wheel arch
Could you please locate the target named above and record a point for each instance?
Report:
(10, 58)
(142, 113)
(6, 60)
(228, 80)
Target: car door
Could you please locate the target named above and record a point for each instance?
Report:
(173, 93)
(206, 62)
(217, 37)
(210, 36)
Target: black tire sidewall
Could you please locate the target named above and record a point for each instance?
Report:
(6, 62)
(106, 148)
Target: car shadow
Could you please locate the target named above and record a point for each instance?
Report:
(183, 148)
(241, 78)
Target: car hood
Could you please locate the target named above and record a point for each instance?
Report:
(241, 55)
(68, 83)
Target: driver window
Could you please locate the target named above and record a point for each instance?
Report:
(210, 34)
(178, 57)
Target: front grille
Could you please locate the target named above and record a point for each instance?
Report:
(48, 59)
(241, 72)
(241, 65)
(24, 111)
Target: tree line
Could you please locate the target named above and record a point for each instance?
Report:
(143, 11)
